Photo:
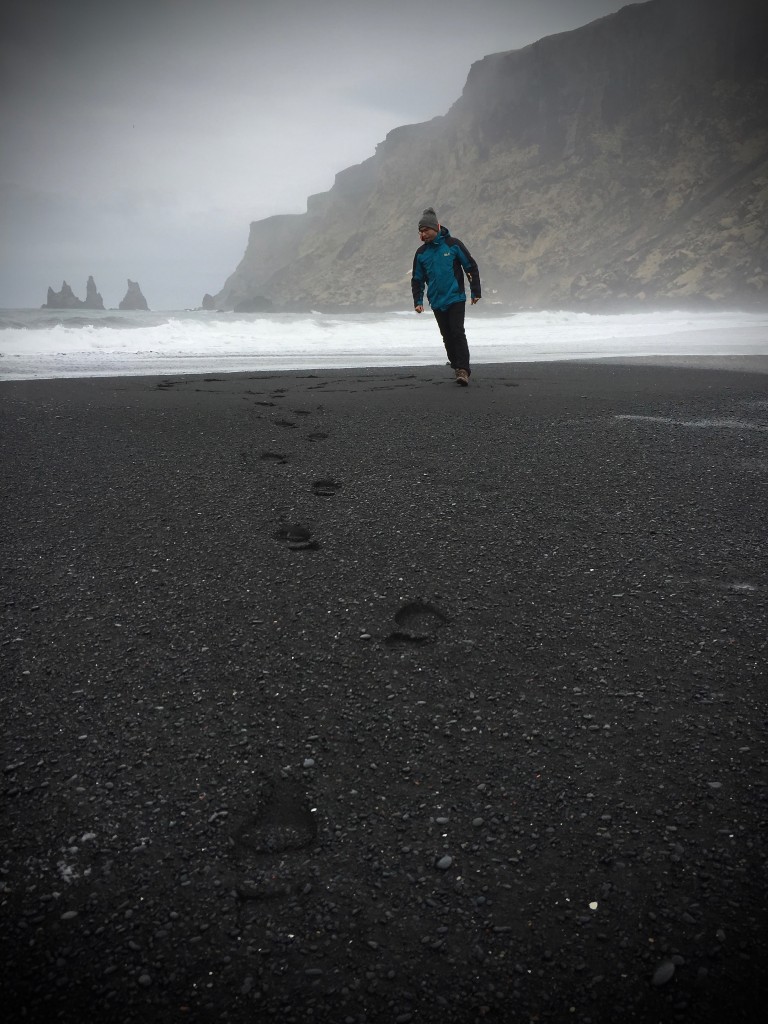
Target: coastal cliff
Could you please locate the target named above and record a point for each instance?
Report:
(622, 163)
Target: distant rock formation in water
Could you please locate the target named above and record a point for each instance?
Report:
(208, 302)
(66, 298)
(133, 297)
(93, 299)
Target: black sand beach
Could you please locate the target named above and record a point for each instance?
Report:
(353, 696)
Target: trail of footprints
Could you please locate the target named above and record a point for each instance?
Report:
(272, 841)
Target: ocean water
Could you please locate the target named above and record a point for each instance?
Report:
(78, 343)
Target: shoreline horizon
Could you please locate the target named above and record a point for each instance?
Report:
(748, 362)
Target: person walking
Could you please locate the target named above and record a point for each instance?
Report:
(440, 263)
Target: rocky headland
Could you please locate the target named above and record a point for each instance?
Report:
(622, 163)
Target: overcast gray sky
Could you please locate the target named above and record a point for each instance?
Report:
(141, 137)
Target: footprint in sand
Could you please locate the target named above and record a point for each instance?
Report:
(296, 537)
(269, 840)
(417, 622)
(274, 457)
(325, 488)
(316, 437)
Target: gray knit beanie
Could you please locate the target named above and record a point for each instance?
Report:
(428, 219)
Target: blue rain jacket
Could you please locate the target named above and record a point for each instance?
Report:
(441, 265)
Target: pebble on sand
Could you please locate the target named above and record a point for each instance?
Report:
(663, 973)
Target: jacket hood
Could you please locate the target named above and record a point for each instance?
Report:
(442, 233)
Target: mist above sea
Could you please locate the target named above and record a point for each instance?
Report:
(84, 343)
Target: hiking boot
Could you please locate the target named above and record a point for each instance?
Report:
(462, 378)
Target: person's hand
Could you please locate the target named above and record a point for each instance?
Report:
(419, 309)
(475, 300)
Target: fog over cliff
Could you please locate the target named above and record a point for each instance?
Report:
(140, 139)
(622, 163)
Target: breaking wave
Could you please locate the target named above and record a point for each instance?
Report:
(60, 343)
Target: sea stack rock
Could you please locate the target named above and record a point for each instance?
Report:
(133, 297)
(64, 299)
(93, 299)
(208, 302)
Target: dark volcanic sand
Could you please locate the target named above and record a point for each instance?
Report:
(355, 696)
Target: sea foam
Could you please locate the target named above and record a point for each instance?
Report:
(47, 343)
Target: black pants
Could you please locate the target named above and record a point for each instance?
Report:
(451, 324)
